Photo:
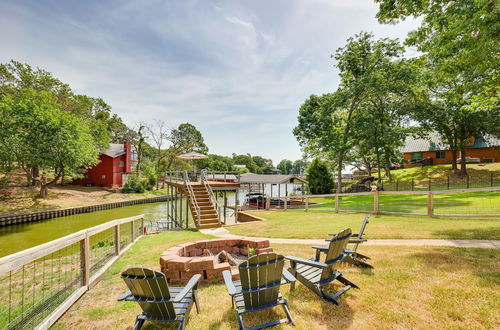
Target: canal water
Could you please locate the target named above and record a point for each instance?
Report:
(19, 237)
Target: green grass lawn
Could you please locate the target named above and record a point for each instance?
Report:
(410, 287)
(456, 203)
(316, 224)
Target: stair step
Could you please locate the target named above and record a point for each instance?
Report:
(216, 225)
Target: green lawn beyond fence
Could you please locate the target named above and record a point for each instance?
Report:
(466, 203)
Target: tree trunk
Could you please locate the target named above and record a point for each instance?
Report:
(44, 186)
(35, 173)
(339, 173)
(378, 167)
(388, 166)
(454, 167)
(463, 161)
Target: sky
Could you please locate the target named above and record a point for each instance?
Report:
(238, 70)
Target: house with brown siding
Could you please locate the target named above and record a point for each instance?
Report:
(433, 151)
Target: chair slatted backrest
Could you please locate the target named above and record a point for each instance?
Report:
(260, 278)
(151, 288)
(336, 249)
(363, 226)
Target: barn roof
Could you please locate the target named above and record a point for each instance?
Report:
(271, 178)
(114, 150)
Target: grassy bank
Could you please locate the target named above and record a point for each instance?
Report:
(24, 199)
(409, 288)
(315, 224)
(442, 171)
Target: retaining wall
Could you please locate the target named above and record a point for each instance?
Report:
(43, 215)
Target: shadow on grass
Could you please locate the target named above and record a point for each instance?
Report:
(482, 263)
(489, 233)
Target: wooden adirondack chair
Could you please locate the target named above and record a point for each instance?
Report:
(353, 257)
(316, 274)
(259, 287)
(159, 302)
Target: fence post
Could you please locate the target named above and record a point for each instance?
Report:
(429, 183)
(286, 202)
(430, 204)
(448, 182)
(397, 185)
(85, 260)
(375, 202)
(337, 203)
(131, 231)
(467, 181)
(412, 184)
(143, 230)
(491, 179)
(307, 204)
(117, 239)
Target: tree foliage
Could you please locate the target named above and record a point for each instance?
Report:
(319, 177)
(37, 133)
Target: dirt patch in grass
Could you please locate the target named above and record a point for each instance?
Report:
(410, 287)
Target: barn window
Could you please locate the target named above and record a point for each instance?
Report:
(121, 164)
(440, 154)
(416, 157)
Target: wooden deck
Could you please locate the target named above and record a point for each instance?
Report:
(214, 184)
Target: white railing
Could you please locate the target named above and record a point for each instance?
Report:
(39, 284)
(215, 203)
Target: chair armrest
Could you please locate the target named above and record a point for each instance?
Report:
(307, 262)
(288, 277)
(192, 284)
(355, 235)
(126, 296)
(228, 280)
(333, 234)
(319, 247)
(358, 240)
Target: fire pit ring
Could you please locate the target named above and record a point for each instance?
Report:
(183, 261)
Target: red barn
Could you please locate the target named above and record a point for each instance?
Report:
(115, 163)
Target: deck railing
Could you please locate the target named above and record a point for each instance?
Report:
(39, 284)
(192, 198)
(196, 176)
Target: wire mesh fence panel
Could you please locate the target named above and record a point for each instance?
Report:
(125, 234)
(29, 293)
(441, 183)
(138, 230)
(356, 203)
(467, 203)
(102, 249)
(322, 203)
(403, 203)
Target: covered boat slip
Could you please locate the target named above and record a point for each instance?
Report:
(272, 190)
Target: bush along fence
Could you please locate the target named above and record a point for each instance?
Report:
(434, 184)
(39, 284)
(473, 202)
(43, 215)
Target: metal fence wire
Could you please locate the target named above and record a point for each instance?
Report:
(35, 283)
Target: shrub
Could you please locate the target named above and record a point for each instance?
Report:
(319, 177)
(133, 185)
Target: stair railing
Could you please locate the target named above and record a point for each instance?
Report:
(215, 203)
(192, 197)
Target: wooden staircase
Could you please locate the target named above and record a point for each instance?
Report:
(208, 214)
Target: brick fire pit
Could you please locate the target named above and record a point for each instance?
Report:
(183, 261)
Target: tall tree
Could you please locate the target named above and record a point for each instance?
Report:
(459, 42)
(285, 166)
(185, 138)
(158, 133)
(39, 134)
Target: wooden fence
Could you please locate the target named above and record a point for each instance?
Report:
(39, 284)
(379, 201)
